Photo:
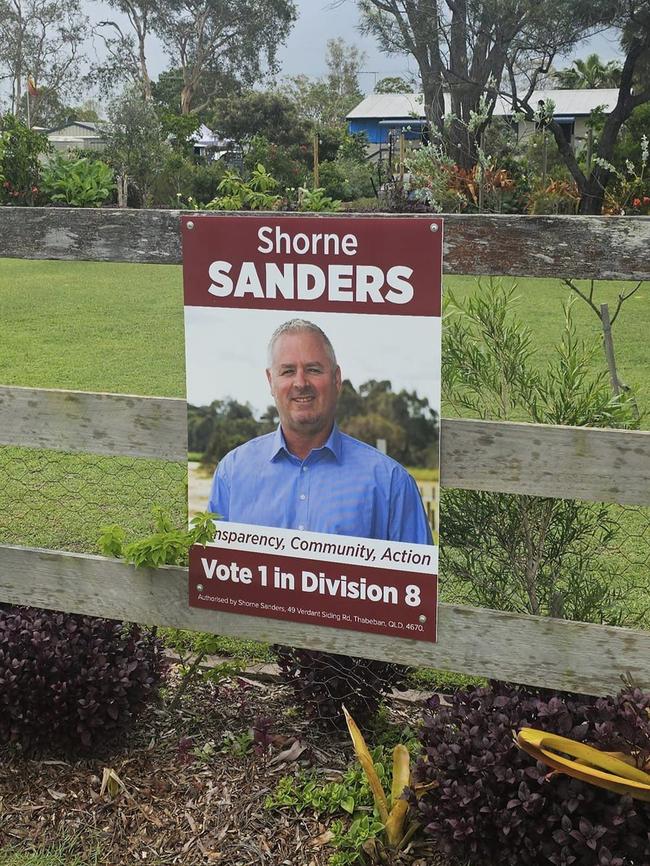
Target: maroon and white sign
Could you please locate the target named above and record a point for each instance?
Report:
(373, 286)
(382, 266)
(353, 583)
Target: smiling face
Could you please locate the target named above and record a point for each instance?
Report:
(305, 385)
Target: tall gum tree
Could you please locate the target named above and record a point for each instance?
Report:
(209, 39)
(464, 47)
(126, 51)
(632, 19)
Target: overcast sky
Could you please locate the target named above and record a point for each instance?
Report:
(320, 20)
(304, 52)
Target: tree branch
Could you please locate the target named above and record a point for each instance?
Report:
(587, 298)
(624, 296)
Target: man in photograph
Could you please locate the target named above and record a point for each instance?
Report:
(308, 474)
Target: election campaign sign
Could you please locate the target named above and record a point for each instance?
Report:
(313, 383)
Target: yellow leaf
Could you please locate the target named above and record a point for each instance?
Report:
(111, 783)
(367, 764)
(401, 777)
(421, 789)
(401, 772)
(603, 769)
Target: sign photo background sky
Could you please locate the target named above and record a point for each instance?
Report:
(226, 352)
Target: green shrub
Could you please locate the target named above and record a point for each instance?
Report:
(205, 179)
(288, 164)
(346, 179)
(316, 201)
(182, 178)
(20, 166)
(77, 182)
(235, 193)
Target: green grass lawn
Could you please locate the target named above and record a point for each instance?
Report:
(91, 326)
(60, 501)
(60, 856)
(95, 326)
(119, 328)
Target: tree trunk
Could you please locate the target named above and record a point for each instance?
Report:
(144, 72)
(593, 191)
(592, 195)
(122, 190)
(462, 145)
(187, 93)
(434, 101)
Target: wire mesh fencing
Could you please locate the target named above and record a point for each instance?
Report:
(565, 558)
(60, 501)
(550, 557)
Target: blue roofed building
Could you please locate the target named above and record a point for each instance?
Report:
(380, 113)
(383, 117)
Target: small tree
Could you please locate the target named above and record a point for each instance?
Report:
(134, 144)
(241, 117)
(524, 553)
(326, 101)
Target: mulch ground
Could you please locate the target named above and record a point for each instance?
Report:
(161, 804)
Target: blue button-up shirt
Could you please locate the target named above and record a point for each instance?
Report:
(345, 487)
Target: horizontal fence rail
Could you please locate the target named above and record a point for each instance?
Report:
(118, 425)
(483, 244)
(553, 653)
(500, 456)
(591, 464)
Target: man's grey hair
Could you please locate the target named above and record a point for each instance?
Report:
(297, 326)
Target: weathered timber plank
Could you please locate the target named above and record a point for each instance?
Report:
(90, 234)
(534, 459)
(578, 247)
(525, 649)
(499, 244)
(544, 460)
(111, 424)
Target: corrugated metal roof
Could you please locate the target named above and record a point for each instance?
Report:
(577, 102)
(386, 105)
(403, 105)
(77, 128)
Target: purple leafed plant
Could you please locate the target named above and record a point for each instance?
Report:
(494, 804)
(69, 682)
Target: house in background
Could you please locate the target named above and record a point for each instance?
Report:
(74, 135)
(380, 113)
(383, 117)
(572, 111)
(208, 145)
(86, 135)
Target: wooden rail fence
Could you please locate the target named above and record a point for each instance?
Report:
(590, 464)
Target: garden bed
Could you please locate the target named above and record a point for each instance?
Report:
(194, 782)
